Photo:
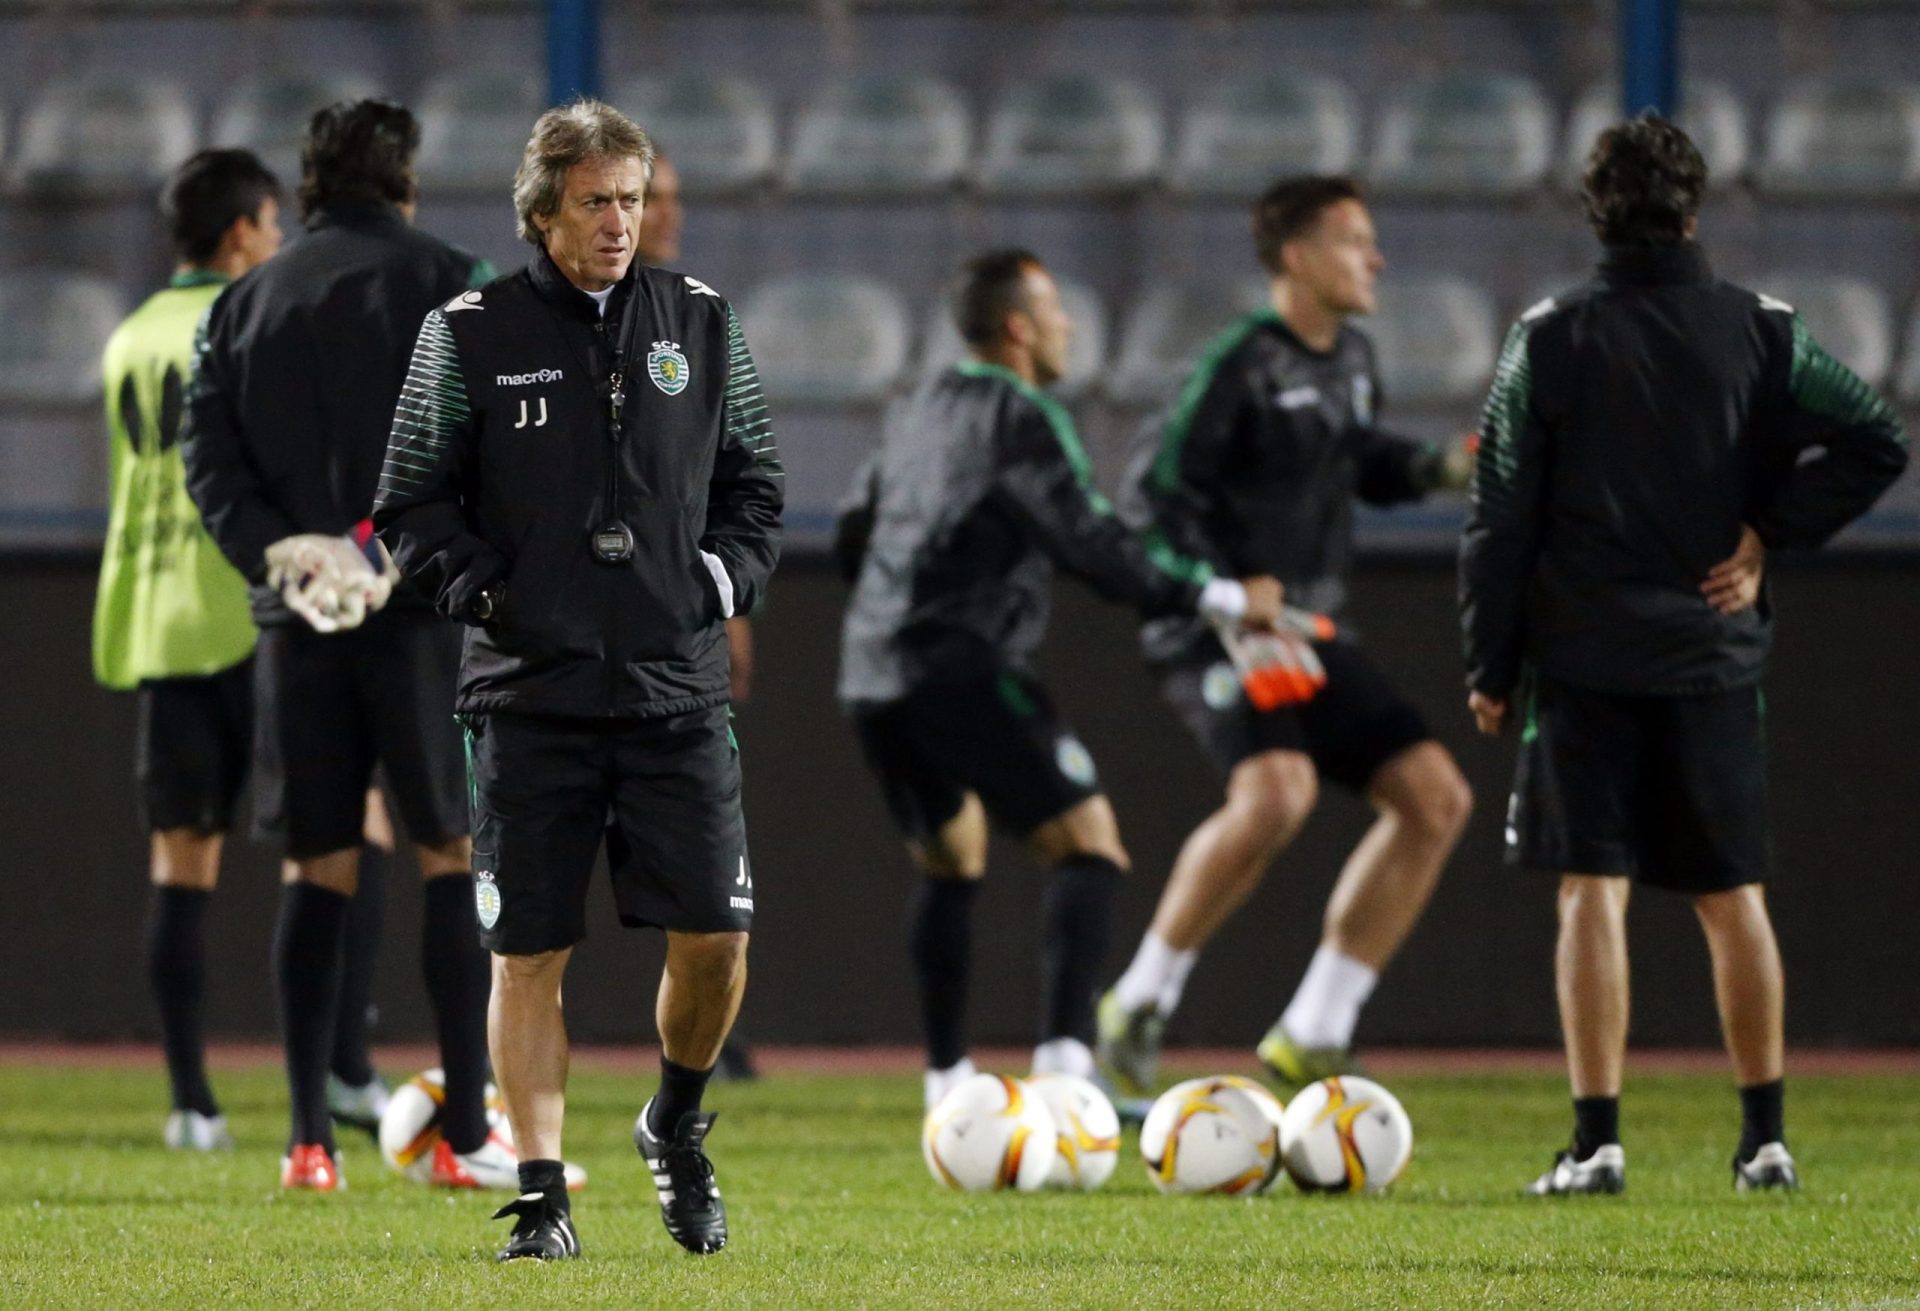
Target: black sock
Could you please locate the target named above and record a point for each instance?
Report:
(681, 1089)
(1763, 1116)
(940, 940)
(547, 1177)
(1079, 921)
(352, 1062)
(177, 969)
(306, 969)
(1596, 1123)
(457, 982)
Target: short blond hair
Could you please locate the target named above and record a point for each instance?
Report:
(563, 137)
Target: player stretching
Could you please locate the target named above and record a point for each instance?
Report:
(1270, 441)
(171, 620)
(1648, 437)
(294, 381)
(980, 487)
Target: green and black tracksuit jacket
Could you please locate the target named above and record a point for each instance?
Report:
(1634, 425)
(1256, 469)
(980, 488)
(506, 456)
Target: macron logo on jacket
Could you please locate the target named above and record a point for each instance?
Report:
(528, 379)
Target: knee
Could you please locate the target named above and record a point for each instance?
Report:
(1592, 898)
(1274, 793)
(712, 957)
(1731, 908)
(1441, 804)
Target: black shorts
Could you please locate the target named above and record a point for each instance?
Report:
(1357, 723)
(333, 705)
(1672, 790)
(663, 793)
(193, 748)
(999, 738)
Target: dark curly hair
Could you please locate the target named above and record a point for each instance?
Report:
(1643, 182)
(358, 150)
(1289, 209)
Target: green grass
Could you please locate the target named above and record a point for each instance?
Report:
(831, 1207)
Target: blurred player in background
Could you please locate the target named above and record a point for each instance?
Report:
(295, 377)
(1648, 438)
(596, 560)
(1270, 441)
(980, 488)
(171, 620)
(658, 246)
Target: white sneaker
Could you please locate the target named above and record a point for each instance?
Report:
(493, 1164)
(941, 1082)
(357, 1108)
(1771, 1168)
(1064, 1056)
(1603, 1172)
(190, 1131)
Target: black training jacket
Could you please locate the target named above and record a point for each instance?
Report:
(499, 471)
(1633, 426)
(980, 487)
(1256, 468)
(296, 371)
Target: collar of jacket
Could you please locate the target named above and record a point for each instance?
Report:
(1641, 266)
(355, 214)
(566, 298)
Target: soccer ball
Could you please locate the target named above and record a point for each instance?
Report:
(1086, 1129)
(411, 1126)
(1217, 1135)
(987, 1134)
(1345, 1134)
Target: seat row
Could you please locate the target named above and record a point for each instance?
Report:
(830, 339)
(1468, 135)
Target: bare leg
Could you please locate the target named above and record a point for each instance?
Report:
(185, 858)
(527, 1034)
(1590, 973)
(1748, 982)
(1423, 803)
(1269, 797)
(700, 992)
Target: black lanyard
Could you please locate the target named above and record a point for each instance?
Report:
(612, 541)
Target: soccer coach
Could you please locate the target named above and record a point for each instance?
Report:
(582, 469)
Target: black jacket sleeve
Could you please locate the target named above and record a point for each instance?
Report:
(1395, 469)
(1836, 447)
(1046, 482)
(747, 491)
(229, 468)
(418, 509)
(853, 519)
(1505, 517)
(1181, 484)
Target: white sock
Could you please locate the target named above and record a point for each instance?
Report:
(1063, 1056)
(939, 1083)
(1327, 1004)
(1157, 976)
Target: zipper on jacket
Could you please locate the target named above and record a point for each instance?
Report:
(616, 399)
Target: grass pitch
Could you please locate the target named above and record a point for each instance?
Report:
(832, 1207)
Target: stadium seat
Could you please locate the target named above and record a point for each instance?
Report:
(57, 325)
(1907, 386)
(269, 115)
(1849, 316)
(1242, 134)
(1844, 138)
(718, 130)
(1166, 332)
(880, 134)
(1086, 351)
(1435, 337)
(1710, 112)
(101, 137)
(1463, 134)
(473, 127)
(1069, 135)
(826, 339)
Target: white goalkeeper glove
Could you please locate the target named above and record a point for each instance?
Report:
(329, 581)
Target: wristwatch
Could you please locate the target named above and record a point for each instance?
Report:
(487, 604)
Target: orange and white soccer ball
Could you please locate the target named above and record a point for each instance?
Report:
(411, 1125)
(1215, 1135)
(1086, 1131)
(989, 1133)
(1345, 1134)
